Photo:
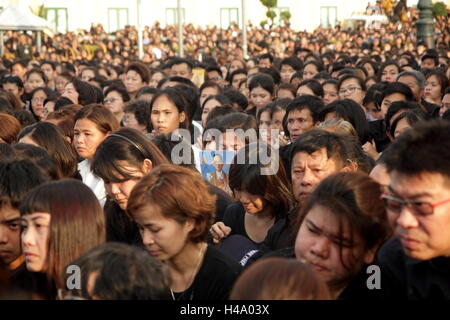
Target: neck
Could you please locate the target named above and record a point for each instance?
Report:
(187, 259)
(119, 116)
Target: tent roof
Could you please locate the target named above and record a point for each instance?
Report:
(15, 18)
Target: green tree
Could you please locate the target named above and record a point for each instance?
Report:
(270, 13)
(439, 9)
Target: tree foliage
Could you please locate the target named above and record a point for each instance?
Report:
(271, 14)
(439, 9)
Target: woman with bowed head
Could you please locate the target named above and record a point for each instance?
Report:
(340, 230)
(61, 220)
(93, 124)
(121, 160)
(80, 92)
(174, 210)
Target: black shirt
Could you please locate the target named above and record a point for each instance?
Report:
(403, 277)
(214, 280)
(119, 226)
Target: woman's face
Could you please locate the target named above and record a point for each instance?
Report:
(133, 81)
(130, 121)
(207, 92)
(114, 102)
(49, 107)
(304, 90)
(120, 191)
(61, 84)
(252, 203)
(388, 100)
(71, 93)
(264, 126)
(236, 64)
(37, 103)
(432, 89)
(285, 93)
(164, 237)
(35, 81)
(402, 126)
(370, 70)
(277, 120)
(87, 137)
(207, 108)
(310, 71)
(165, 116)
(329, 252)
(330, 93)
(35, 232)
(389, 73)
(260, 97)
(154, 80)
(351, 89)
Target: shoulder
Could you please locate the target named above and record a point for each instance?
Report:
(219, 266)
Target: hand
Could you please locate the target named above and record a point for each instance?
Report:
(371, 150)
(283, 140)
(219, 231)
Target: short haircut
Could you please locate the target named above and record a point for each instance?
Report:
(312, 103)
(141, 69)
(294, 62)
(9, 128)
(262, 80)
(395, 107)
(105, 121)
(237, 97)
(314, 85)
(413, 116)
(180, 194)
(11, 78)
(120, 90)
(398, 87)
(416, 151)
(138, 275)
(177, 61)
(141, 111)
(420, 79)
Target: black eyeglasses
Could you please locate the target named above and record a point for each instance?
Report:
(421, 208)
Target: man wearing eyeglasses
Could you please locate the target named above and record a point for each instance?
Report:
(415, 263)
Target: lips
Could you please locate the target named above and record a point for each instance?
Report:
(408, 242)
(30, 255)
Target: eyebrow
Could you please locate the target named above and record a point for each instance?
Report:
(418, 195)
(327, 234)
(11, 220)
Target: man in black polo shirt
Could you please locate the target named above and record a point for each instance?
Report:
(415, 263)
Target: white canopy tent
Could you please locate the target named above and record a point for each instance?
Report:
(19, 18)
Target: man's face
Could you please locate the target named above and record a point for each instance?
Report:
(265, 63)
(13, 88)
(298, 122)
(218, 163)
(422, 237)
(181, 70)
(428, 64)
(445, 104)
(48, 70)
(9, 234)
(19, 71)
(308, 170)
(411, 82)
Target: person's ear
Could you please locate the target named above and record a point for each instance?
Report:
(350, 166)
(182, 117)
(190, 224)
(369, 255)
(147, 166)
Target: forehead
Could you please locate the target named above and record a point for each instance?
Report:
(260, 90)
(37, 215)
(407, 79)
(426, 182)
(35, 76)
(180, 66)
(210, 90)
(163, 102)
(318, 157)
(85, 124)
(326, 220)
(349, 82)
(7, 213)
(395, 97)
(390, 67)
(303, 113)
(113, 94)
(151, 213)
(133, 73)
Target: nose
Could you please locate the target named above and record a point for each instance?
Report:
(407, 219)
(3, 235)
(308, 178)
(27, 238)
(147, 238)
(321, 247)
(115, 190)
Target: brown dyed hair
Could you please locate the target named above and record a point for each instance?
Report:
(141, 69)
(181, 194)
(77, 222)
(9, 128)
(104, 119)
(279, 279)
(128, 145)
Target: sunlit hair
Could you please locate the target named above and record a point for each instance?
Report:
(279, 279)
(104, 119)
(180, 194)
(77, 222)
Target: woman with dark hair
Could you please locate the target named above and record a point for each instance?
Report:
(137, 116)
(121, 160)
(262, 90)
(330, 91)
(137, 275)
(263, 194)
(350, 111)
(34, 78)
(174, 209)
(212, 102)
(264, 121)
(388, 71)
(406, 120)
(115, 99)
(370, 66)
(61, 81)
(146, 94)
(60, 221)
(279, 279)
(168, 111)
(340, 230)
(208, 89)
(52, 139)
(156, 77)
(311, 68)
(352, 87)
(38, 97)
(39, 157)
(436, 83)
(310, 87)
(137, 75)
(92, 125)
(80, 92)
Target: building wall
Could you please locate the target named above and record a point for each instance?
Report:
(306, 14)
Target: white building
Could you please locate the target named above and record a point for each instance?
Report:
(70, 15)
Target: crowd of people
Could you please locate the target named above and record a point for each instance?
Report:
(340, 146)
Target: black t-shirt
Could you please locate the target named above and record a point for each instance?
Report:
(235, 219)
(378, 132)
(214, 280)
(403, 277)
(120, 227)
(222, 202)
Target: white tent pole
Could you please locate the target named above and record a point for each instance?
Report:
(180, 29)
(1, 44)
(140, 31)
(39, 42)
